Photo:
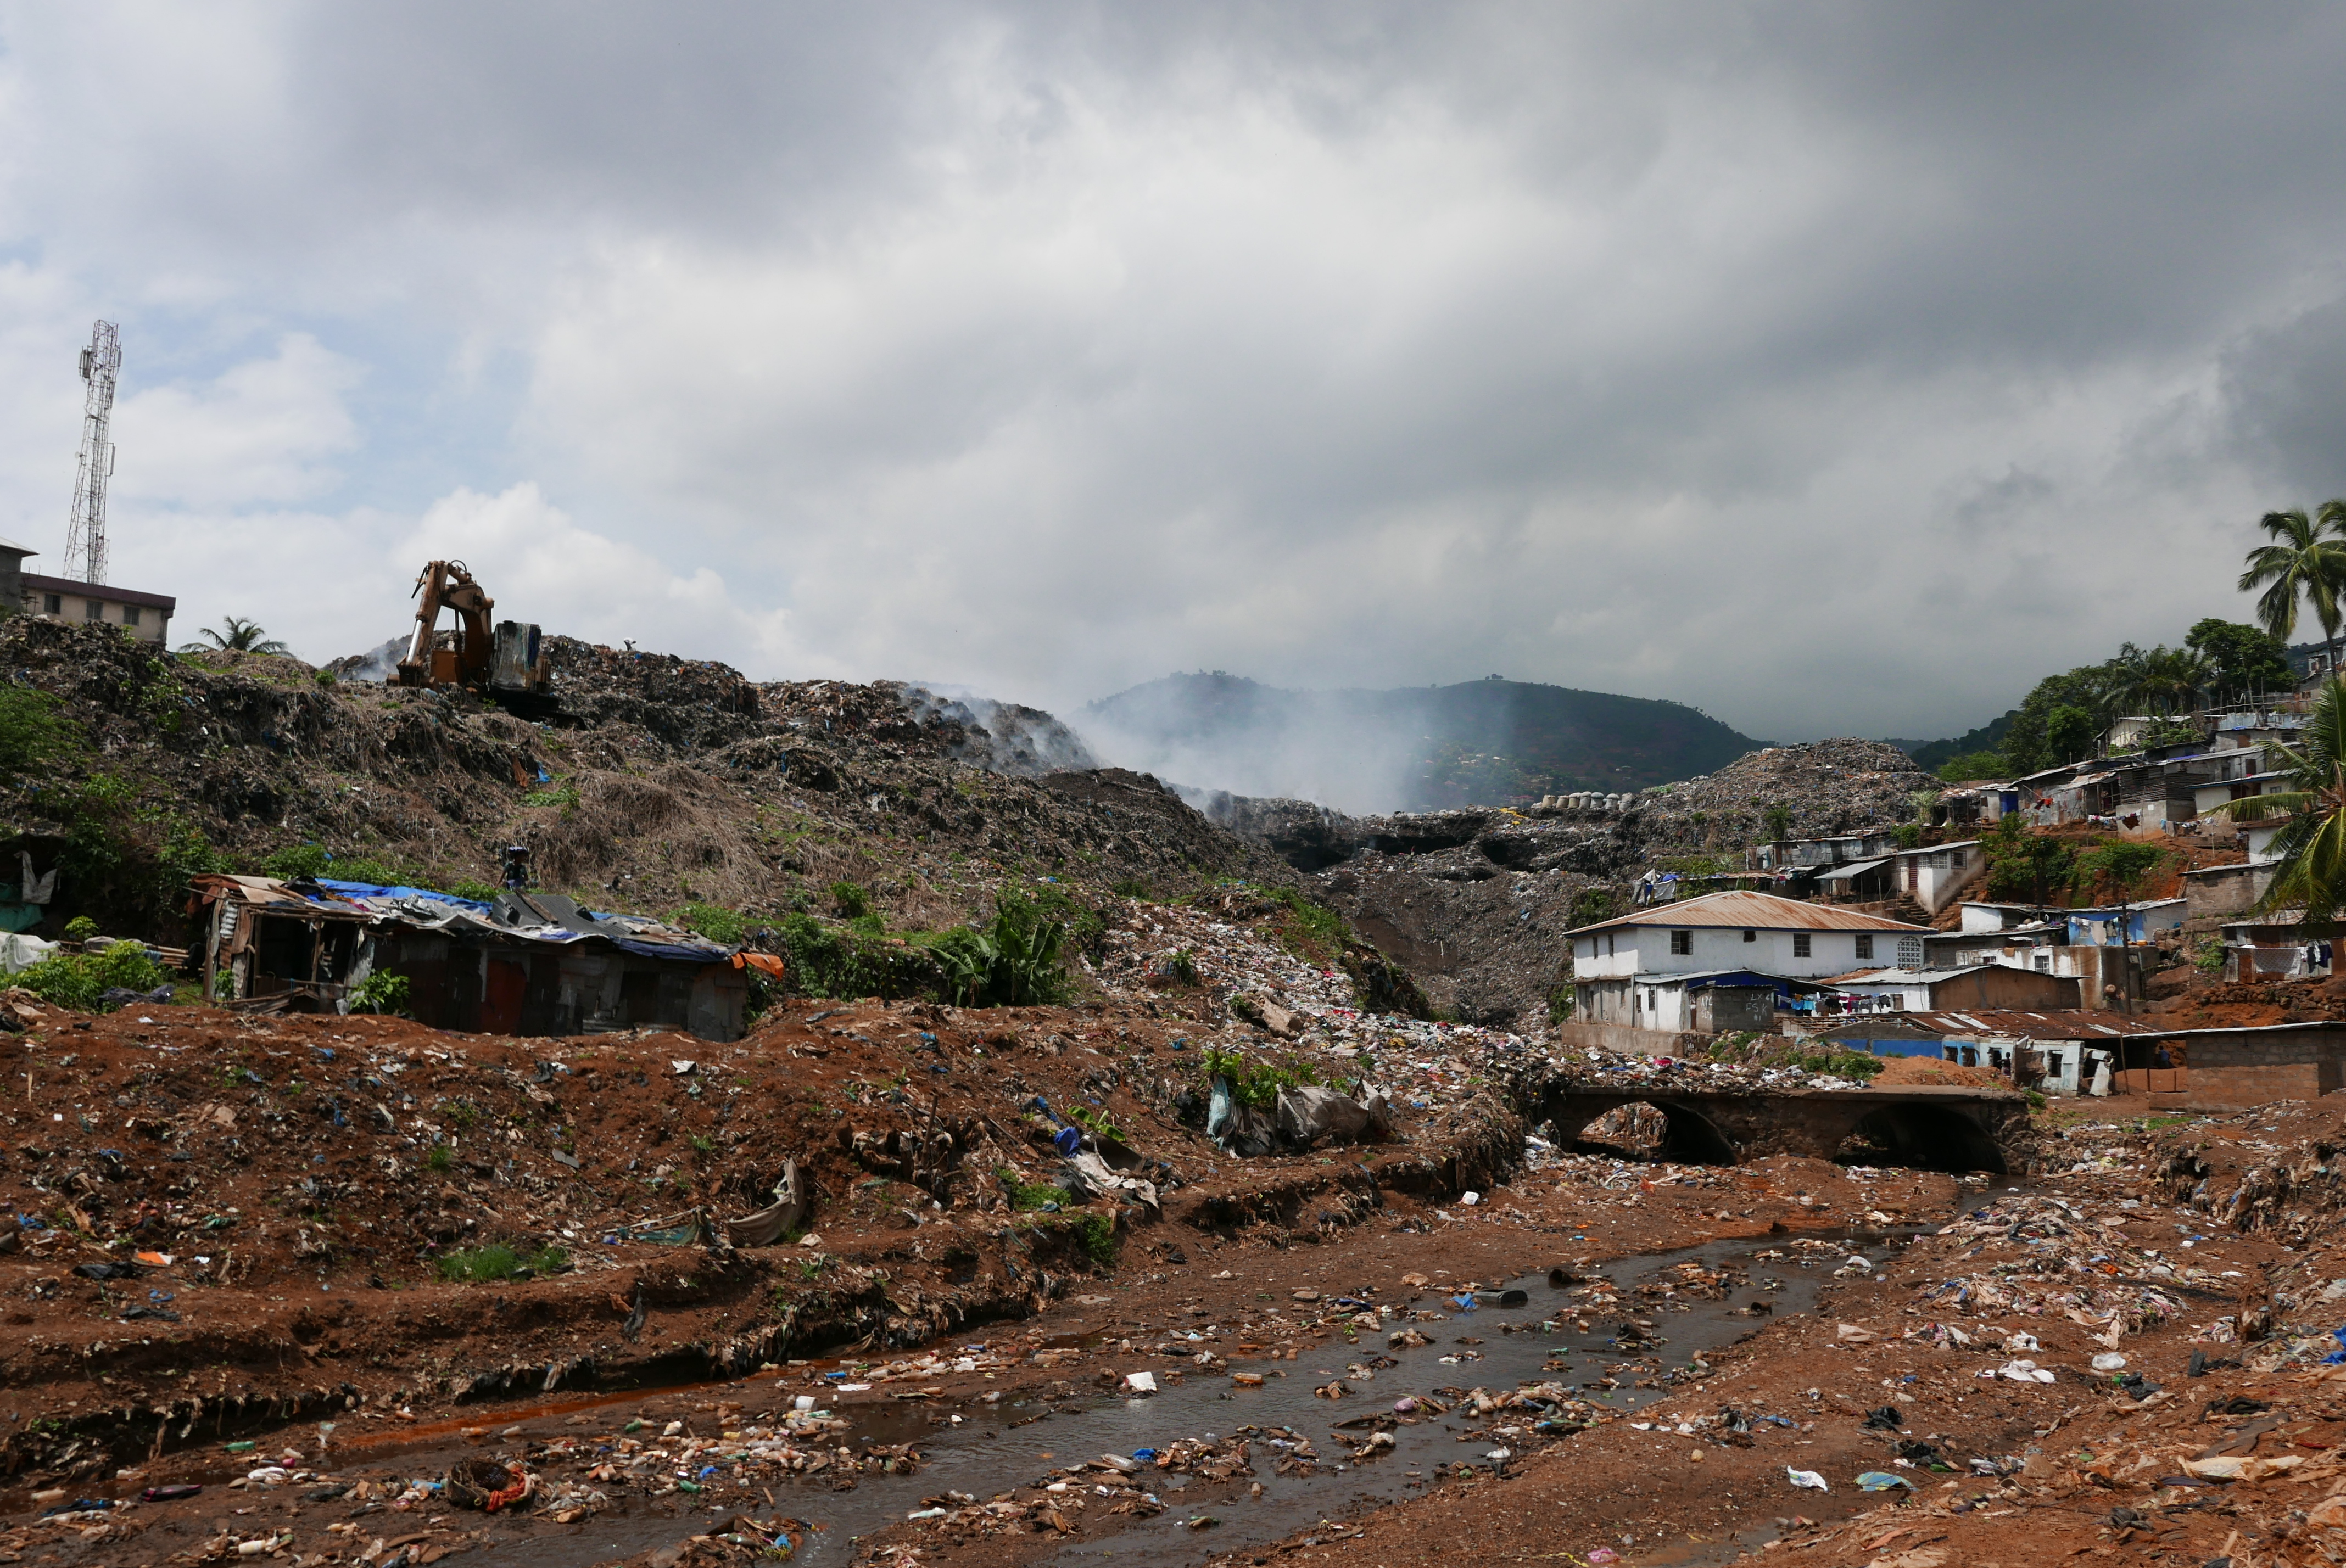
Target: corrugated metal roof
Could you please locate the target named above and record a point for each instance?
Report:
(1761, 911)
(2062, 1025)
(1844, 873)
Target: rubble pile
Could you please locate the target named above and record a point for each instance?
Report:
(660, 780)
(1828, 785)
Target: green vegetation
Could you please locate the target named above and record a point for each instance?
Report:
(1132, 888)
(497, 1261)
(851, 901)
(713, 922)
(1779, 821)
(441, 1158)
(1027, 1197)
(1309, 930)
(2025, 867)
(307, 862)
(1095, 1123)
(1096, 1234)
(1258, 1084)
(2208, 958)
(2063, 717)
(382, 992)
(33, 734)
(80, 980)
(1593, 904)
(2119, 866)
(1015, 961)
(81, 927)
(1974, 766)
(565, 794)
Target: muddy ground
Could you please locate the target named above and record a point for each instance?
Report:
(964, 1360)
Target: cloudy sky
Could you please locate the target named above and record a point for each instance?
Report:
(1837, 369)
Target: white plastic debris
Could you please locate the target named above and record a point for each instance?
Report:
(1141, 1382)
(2109, 1361)
(1469, 1198)
(1805, 1478)
(2025, 1372)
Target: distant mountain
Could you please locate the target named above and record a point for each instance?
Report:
(1479, 743)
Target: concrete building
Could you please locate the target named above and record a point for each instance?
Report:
(1635, 970)
(1932, 877)
(147, 617)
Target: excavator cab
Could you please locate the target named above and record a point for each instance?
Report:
(508, 661)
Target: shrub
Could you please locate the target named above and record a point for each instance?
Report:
(382, 991)
(850, 899)
(80, 980)
(1592, 904)
(1096, 1234)
(33, 734)
(1013, 963)
(80, 927)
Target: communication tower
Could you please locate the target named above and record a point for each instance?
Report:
(101, 363)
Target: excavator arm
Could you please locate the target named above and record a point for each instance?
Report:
(446, 585)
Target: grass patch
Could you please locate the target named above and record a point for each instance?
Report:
(713, 922)
(1027, 1197)
(498, 1261)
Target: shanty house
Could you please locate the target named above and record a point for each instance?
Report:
(1992, 985)
(1636, 969)
(530, 963)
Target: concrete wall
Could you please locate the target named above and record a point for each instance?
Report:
(2234, 1068)
(1726, 1009)
(1646, 950)
(1622, 1038)
(2224, 890)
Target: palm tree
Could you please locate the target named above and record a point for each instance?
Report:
(2306, 560)
(235, 634)
(2311, 847)
(2164, 680)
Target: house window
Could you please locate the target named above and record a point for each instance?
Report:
(1956, 859)
(1681, 943)
(93, 610)
(129, 615)
(1909, 953)
(52, 603)
(1801, 945)
(1970, 1055)
(1751, 936)
(2042, 963)
(1865, 947)
(2053, 1064)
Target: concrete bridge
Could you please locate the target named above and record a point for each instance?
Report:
(1950, 1129)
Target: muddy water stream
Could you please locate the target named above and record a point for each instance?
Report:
(997, 1447)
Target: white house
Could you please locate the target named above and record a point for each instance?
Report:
(1635, 970)
(1932, 877)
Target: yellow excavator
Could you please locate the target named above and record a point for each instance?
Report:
(508, 661)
